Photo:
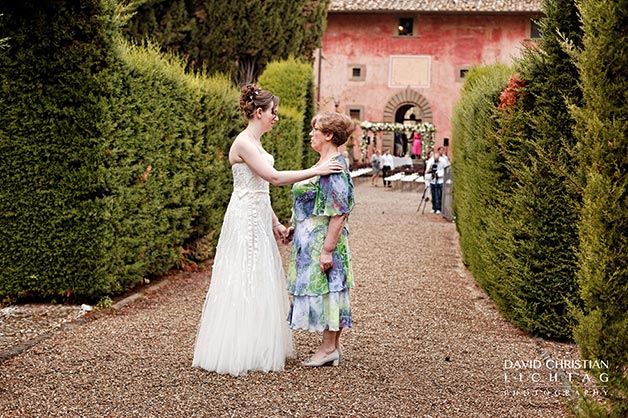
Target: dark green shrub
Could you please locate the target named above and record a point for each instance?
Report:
(543, 198)
(55, 78)
(602, 332)
(293, 81)
(479, 169)
(284, 143)
(112, 158)
(180, 126)
(521, 245)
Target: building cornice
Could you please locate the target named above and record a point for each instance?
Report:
(480, 6)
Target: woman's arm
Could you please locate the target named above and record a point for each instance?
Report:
(278, 229)
(336, 224)
(251, 155)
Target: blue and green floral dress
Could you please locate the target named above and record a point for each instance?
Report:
(320, 301)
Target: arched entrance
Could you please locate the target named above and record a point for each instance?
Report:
(405, 107)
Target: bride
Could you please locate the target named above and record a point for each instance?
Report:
(243, 325)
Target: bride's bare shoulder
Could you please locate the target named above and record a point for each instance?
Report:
(234, 150)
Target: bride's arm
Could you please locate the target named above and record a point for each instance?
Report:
(249, 154)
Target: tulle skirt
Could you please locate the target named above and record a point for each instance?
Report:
(243, 325)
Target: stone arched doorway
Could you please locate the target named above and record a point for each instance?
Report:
(405, 106)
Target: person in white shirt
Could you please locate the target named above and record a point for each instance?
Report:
(435, 168)
(387, 165)
(443, 155)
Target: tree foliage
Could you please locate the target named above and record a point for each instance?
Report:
(602, 332)
(236, 38)
(112, 157)
(542, 204)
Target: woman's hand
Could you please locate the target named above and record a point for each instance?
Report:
(326, 261)
(287, 237)
(329, 167)
(280, 231)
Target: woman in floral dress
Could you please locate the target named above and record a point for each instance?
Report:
(320, 273)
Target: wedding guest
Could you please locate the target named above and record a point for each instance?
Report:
(416, 145)
(376, 166)
(320, 274)
(387, 165)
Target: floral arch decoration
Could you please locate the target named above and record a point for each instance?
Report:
(425, 129)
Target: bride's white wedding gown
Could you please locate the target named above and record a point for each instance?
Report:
(243, 326)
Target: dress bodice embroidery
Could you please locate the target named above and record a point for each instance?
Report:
(246, 181)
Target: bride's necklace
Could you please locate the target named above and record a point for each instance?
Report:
(257, 141)
(255, 138)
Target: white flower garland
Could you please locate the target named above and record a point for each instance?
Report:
(425, 129)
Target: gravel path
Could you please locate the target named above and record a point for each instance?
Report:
(426, 342)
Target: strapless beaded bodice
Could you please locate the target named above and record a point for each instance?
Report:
(245, 181)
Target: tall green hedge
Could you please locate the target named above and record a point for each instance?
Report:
(480, 172)
(542, 203)
(55, 76)
(602, 332)
(111, 156)
(180, 126)
(284, 143)
(518, 219)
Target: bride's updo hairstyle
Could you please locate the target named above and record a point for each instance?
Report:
(253, 97)
(339, 125)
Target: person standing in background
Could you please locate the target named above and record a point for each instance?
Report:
(436, 169)
(387, 165)
(416, 144)
(376, 165)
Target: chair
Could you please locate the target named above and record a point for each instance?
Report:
(394, 178)
(408, 179)
(360, 173)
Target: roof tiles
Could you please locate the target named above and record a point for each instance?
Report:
(435, 5)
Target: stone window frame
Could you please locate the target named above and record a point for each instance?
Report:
(362, 69)
(398, 18)
(461, 72)
(532, 27)
(354, 107)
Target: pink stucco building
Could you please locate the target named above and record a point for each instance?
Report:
(390, 61)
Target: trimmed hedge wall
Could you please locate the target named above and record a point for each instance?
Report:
(542, 204)
(111, 156)
(544, 229)
(521, 218)
(166, 159)
(480, 172)
(54, 83)
(602, 332)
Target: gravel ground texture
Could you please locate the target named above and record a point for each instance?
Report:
(426, 342)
